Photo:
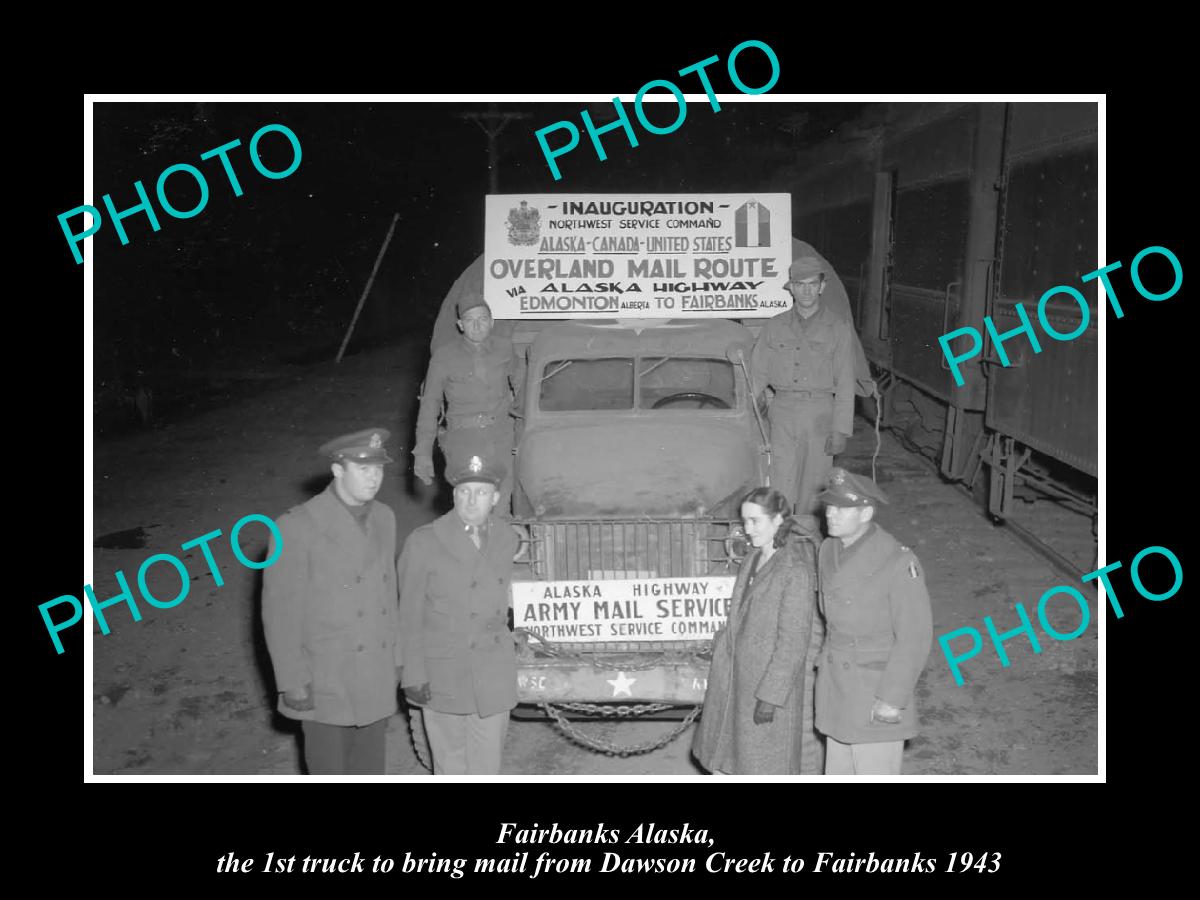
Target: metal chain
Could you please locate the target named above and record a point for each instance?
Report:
(1001, 213)
(603, 745)
(604, 709)
(420, 741)
(624, 665)
(621, 660)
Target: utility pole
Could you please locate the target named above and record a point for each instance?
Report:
(492, 122)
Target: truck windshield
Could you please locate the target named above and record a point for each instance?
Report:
(677, 382)
(575, 384)
(663, 382)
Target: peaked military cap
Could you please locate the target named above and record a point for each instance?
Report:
(847, 489)
(361, 447)
(804, 267)
(475, 468)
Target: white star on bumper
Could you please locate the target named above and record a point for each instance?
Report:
(621, 684)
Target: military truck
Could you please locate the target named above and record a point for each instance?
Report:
(636, 440)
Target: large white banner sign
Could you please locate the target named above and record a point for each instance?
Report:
(557, 256)
(638, 609)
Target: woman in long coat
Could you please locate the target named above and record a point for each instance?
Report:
(758, 709)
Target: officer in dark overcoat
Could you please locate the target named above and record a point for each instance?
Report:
(330, 612)
(878, 633)
(460, 659)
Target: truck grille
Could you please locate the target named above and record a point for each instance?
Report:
(616, 549)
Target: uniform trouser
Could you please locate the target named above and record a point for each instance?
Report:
(812, 746)
(881, 758)
(465, 743)
(345, 749)
(799, 464)
(495, 442)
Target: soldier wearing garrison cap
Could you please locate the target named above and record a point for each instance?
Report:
(805, 357)
(330, 612)
(460, 660)
(878, 631)
(479, 375)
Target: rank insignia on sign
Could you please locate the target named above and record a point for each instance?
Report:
(524, 224)
(752, 225)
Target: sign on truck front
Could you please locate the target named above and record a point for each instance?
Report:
(555, 256)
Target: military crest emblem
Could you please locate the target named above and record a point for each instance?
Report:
(839, 476)
(475, 465)
(524, 225)
(376, 441)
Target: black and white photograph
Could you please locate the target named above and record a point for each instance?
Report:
(746, 434)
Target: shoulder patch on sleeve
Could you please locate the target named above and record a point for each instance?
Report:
(910, 563)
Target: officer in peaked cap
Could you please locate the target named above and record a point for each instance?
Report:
(878, 631)
(847, 489)
(805, 357)
(475, 468)
(460, 659)
(364, 447)
(330, 612)
(479, 374)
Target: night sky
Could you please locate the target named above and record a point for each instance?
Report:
(275, 273)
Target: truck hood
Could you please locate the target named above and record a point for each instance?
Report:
(645, 464)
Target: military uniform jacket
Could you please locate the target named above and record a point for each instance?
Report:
(817, 355)
(330, 612)
(760, 654)
(454, 616)
(878, 633)
(474, 380)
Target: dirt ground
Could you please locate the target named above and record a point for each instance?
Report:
(188, 689)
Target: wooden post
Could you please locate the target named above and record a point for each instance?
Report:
(495, 124)
(370, 281)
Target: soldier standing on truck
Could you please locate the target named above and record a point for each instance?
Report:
(479, 374)
(805, 356)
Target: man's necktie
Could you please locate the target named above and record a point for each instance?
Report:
(474, 535)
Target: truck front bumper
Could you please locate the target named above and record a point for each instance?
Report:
(573, 680)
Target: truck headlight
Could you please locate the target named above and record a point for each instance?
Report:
(736, 544)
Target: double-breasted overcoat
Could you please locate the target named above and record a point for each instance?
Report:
(329, 611)
(878, 633)
(762, 653)
(454, 616)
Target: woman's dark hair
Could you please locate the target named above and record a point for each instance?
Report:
(773, 502)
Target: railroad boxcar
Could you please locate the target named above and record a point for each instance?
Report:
(937, 215)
